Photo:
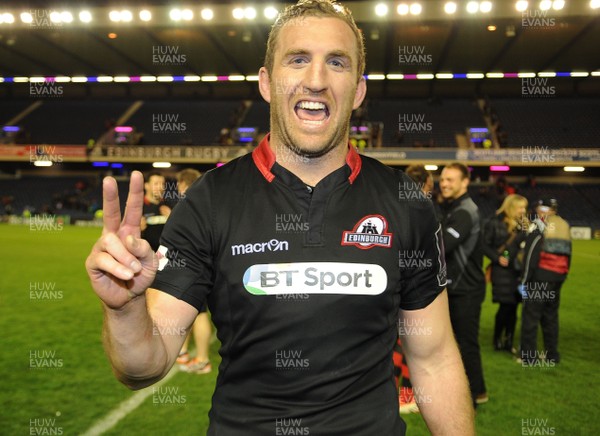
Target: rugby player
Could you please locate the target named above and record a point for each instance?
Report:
(307, 320)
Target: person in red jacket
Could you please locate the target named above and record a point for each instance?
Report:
(547, 260)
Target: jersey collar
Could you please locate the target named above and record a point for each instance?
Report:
(264, 159)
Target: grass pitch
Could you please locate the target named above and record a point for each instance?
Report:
(56, 379)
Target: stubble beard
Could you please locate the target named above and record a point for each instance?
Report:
(285, 137)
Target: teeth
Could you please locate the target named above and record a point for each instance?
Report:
(311, 105)
(313, 123)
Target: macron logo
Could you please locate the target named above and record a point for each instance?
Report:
(259, 247)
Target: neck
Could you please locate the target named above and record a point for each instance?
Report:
(310, 170)
(460, 194)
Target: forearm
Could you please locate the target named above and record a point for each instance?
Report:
(443, 394)
(134, 347)
(491, 253)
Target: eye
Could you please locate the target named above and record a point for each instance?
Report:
(338, 63)
(298, 60)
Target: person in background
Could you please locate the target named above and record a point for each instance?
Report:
(547, 260)
(502, 236)
(155, 212)
(466, 281)
(422, 177)
(201, 330)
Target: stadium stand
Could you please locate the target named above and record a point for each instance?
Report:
(161, 122)
(258, 116)
(487, 201)
(71, 122)
(10, 109)
(75, 196)
(577, 203)
(549, 122)
(573, 205)
(79, 196)
(442, 119)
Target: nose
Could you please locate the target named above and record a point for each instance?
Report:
(315, 81)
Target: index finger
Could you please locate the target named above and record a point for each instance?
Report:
(110, 205)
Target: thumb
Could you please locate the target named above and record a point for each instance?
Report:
(141, 249)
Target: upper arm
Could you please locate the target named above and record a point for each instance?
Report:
(427, 345)
(172, 319)
(421, 263)
(186, 259)
(456, 230)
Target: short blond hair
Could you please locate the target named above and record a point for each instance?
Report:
(188, 176)
(315, 8)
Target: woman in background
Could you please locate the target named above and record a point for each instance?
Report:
(502, 237)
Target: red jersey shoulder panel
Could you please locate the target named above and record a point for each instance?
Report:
(264, 158)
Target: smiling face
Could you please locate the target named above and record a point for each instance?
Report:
(314, 85)
(452, 183)
(155, 188)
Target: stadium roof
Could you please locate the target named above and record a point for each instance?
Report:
(433, 44)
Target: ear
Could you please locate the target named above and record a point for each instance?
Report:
(264, 84)
(465, 182)
(361, 91)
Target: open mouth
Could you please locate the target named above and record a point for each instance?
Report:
(312, 112)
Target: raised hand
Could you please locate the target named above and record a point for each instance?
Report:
(121, 265)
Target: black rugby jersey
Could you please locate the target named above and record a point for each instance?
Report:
(155, 223)
(304, 286)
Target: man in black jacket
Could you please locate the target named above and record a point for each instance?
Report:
(464, 259)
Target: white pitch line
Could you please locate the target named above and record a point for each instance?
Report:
(591, 256)
(125, 408)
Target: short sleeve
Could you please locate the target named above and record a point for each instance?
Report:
(185, 267)
(421, 261)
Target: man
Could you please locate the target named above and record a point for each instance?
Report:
(466, 282)
(307, 323)
(201, 330)
(155, 212)
(547, 258)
